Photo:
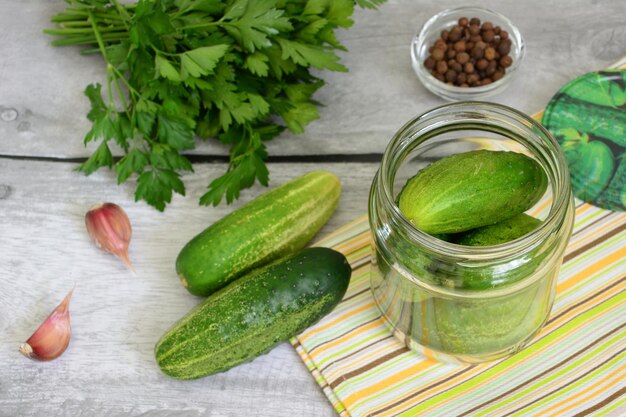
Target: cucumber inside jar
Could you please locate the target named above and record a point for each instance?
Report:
(473, 324)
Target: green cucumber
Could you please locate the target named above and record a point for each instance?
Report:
(496, 234)
(472, 189)
(269, 227)
(483, 326)
(481, 278)
(250, 316)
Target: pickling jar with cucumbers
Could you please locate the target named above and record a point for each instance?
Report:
(470, 212)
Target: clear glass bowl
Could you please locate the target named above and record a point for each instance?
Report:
(459, 303)
(431, 31)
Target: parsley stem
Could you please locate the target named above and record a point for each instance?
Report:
(104, 55)
(83, 21)
(122, 11)
(111, 68)
(72, 31)
(91, 51)
(160, 52)
(120, 76)
(62, 24)
(96, 33)
(85, 40)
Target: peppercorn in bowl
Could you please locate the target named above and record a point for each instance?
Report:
(467, 53)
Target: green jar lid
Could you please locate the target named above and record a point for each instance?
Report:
(588, 118)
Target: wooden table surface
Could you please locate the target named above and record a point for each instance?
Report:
(109, 368)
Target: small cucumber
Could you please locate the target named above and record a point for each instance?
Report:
(472, 189)
(482, 326)
(269, 227)
(481, 278)
(254, 313)
(496, 234)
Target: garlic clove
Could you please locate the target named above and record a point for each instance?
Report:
(53, 336)
(109, 227)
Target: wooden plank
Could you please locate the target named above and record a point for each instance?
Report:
(42, 109)
(109, 368)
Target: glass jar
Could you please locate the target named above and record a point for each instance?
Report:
(458, 303)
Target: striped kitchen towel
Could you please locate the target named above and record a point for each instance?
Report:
(575, 366)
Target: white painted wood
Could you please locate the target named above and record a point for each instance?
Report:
(109, 368)
(363, 108)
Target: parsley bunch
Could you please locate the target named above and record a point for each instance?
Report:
(235, 70)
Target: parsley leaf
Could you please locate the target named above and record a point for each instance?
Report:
(257, 64)
(166, 69)
(307, 55)
(251, 21)
(241, 174)
(102, 157)
(133, 162)
(201, 61)
(156, 186)
(175, 132)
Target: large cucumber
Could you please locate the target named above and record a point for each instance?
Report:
(472, 189)
(255, 313)
(269, 227)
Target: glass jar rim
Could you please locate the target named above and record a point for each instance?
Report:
(559, 180)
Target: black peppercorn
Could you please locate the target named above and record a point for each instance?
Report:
(460, 46)
(477, 52)
(490, 53)
(451, 75)
(506, 61)
(456, 66)
(504, 47)
(462, 57)
(455, 34)
(442, 67)
(441, 44)
(489, 36)
(437, 54)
